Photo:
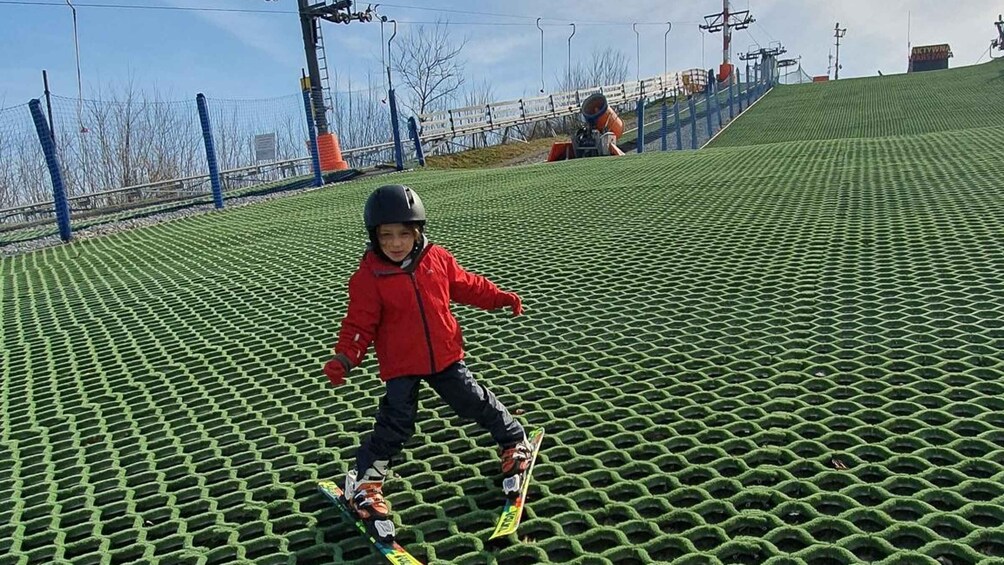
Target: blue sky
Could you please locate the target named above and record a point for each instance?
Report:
(259, 55)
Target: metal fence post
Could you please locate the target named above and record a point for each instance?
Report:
(759, 80)
(739, 90)
(718, 106)
(732, 108)
(395, 128)
(676, 116)
(707, 110)
(640, 144)
(315, 154)
(749, 88)
(207, 138)
(665, 124)
(55, 173)
(413, 130)
(693, 122)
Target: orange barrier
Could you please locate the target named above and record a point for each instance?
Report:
(560, 150)
(331, 153)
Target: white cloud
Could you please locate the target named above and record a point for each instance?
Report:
(490, 50)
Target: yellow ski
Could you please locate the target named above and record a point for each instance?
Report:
(393, 552)
(513, 510)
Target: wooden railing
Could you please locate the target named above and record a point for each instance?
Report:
(473, 119)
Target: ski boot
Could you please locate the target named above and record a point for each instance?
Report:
(364, 496)
(515, 462)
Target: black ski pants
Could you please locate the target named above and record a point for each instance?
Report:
(395, 419)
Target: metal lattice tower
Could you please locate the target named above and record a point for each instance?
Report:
(838, 32)
(725, 21)
(313, 44)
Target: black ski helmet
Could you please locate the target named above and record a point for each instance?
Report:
(393, 204)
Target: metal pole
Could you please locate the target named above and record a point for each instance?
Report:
(707, 110)
(315, 153)
(309, 32)
(637, 49)
(748, 100)
(665, 49)
(718, 105)
(568, 70)
(395, 127)
(80, 88)
(665, 125)
(838, 33)
(640, 144)
(726, 32)
(541, 56)
(759, 79)
(48, 104)
(755, 83)
(739, 90)
(732, 83)
(207, 138)
(413, 130)
(676, 116)
(693, 122)
(665, 75)
(55, 172)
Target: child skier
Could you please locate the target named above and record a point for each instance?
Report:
(399, 299)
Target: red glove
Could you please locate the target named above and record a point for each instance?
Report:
(336, 369)
(512, 300)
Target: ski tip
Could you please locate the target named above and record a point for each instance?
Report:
(329, 488)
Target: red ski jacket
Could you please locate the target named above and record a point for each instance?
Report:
(406, 312)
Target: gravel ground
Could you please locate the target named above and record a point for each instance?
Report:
(535, 157)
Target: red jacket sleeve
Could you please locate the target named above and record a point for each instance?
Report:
(360, 323)
(472, 289)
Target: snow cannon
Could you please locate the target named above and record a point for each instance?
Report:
(600, 116)
(597, 138)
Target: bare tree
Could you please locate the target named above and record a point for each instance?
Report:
(428, 63)
(361, 117)
(22, 167)
(609, 66)
(129, 137)
(604, 67)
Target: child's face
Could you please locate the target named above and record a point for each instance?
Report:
(396, 240)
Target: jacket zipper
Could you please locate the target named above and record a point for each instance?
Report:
(425, 323)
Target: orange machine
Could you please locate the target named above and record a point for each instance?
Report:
(598, 137)
(725, 72)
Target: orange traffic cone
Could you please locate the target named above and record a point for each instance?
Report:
(331, 153)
